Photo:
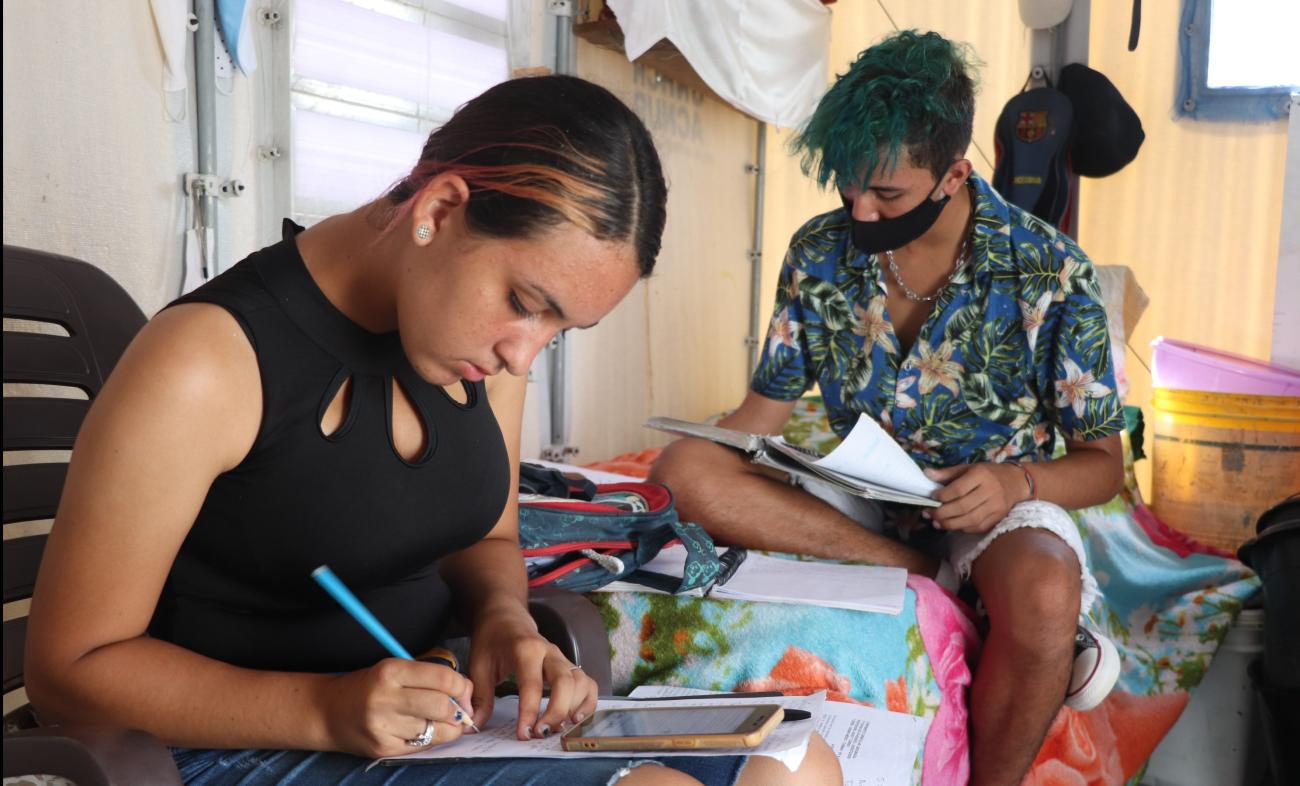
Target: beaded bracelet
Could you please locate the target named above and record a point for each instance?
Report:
(1029, 478)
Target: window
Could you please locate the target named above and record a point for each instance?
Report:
(370, 79)
(1237, 59)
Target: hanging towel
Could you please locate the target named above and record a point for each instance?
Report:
(766, 59)
(172, 18)
(236, 19)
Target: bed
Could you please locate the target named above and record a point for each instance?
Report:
(1167, 603)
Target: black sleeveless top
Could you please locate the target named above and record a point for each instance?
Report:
(240, 590)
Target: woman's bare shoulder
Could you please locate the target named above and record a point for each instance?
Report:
(191, 363)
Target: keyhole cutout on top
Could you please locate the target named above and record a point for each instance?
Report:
(457, 392)
(410, 433)
(336, 412)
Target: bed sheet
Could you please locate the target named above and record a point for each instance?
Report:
(1167, 603)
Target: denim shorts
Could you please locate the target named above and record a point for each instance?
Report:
(202, 767)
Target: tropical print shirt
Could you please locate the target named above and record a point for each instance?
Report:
(1014, 352)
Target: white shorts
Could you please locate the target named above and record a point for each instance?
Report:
(961, 549)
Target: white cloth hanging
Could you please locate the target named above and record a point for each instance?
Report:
(172, 18)
(767, 58)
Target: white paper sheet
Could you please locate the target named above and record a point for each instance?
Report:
(875, 747)
(776, 580)
(786, 743)
(871, 454)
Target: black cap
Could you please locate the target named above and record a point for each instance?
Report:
(1107, 132)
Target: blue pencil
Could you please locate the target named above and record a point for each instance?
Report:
(353, 605)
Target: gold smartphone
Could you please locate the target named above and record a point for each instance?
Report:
(665, 728)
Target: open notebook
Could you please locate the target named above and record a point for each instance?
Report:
(755, 576)
(868, 463)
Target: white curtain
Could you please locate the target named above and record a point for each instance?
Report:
(767, 58)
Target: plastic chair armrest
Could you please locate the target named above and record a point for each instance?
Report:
(573, 624)
(91, 756)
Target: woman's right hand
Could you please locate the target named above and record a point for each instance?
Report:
(373, 712)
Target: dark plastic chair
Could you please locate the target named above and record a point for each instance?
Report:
(100, 319)
(572, 623)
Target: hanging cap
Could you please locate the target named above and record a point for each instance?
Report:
(1042, 14)
(1107, 132)
(1032, 140)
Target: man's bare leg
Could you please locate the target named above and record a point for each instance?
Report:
(742, 504)
(1029, 582)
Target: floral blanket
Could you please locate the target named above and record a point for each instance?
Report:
(1167, 604)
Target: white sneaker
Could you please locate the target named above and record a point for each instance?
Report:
(1095, 672)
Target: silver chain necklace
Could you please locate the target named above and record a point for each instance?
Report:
(913, 296)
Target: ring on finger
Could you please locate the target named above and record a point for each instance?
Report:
(425, 738)
(574, 668)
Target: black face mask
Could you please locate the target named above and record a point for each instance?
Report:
(887, 234)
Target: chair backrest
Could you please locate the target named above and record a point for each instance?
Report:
(66, 323)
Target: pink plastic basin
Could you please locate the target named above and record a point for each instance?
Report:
(1185, 366)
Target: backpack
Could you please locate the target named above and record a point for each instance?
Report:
(1032, 145)
(580, 536)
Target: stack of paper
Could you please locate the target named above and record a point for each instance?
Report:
(775, 580)
(788, 742)
(875, 747)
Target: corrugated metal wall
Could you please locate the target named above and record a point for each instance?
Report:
(999, 40)
(686, 326)
(675, 346)
(1196, 215)
(95, 174)
(92, 166)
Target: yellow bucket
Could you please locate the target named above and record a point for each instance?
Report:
(1222, 459)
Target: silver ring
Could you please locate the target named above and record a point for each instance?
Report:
(425, 738)
(574, 668)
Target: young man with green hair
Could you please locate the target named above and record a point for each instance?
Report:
(974, 333)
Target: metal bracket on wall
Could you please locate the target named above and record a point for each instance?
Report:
(559, 7)
(559, 453)
(213, 186)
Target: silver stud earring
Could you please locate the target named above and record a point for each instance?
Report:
(423, 232)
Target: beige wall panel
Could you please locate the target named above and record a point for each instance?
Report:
(91, 165)
(790, 199)
(1196, 215)
(676, 345)
(999, 40)
(993, 29)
